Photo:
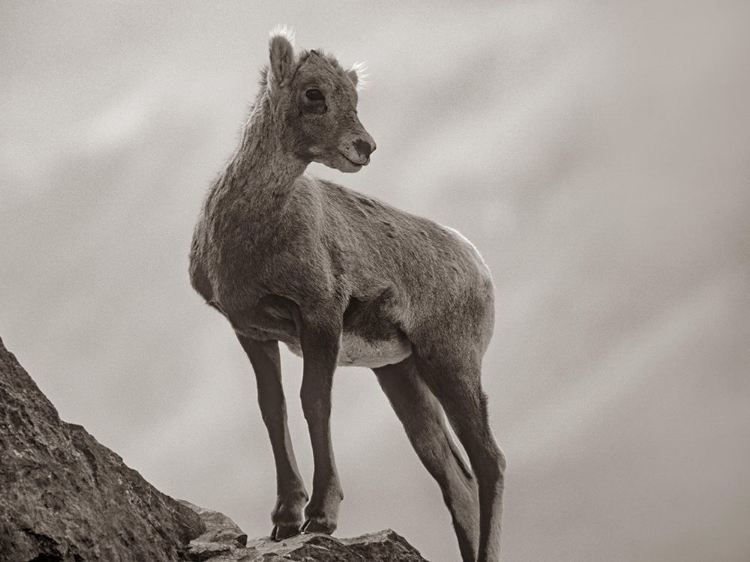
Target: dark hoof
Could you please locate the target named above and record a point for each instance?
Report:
(281, 532)
(314, 526)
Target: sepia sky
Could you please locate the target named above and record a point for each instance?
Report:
(597, 154)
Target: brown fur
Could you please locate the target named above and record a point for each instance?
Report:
(343, 278)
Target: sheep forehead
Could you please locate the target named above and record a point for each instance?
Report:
(324, 69)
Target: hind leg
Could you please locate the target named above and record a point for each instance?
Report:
(455, 381)
(423, 420)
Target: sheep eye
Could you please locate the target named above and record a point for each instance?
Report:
(314, 94)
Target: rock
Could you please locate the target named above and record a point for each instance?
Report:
(66, 497)
(223, 541)
(219, 544)
(221, 535)
(384, 546)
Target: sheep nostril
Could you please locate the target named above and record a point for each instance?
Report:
(363, 147)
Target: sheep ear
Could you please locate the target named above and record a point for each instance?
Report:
(282, 56)
(358, 75)
(352, 74)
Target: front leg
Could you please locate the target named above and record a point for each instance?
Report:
(290, 491)
(320, 349)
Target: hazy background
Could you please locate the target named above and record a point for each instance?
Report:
(598, 155)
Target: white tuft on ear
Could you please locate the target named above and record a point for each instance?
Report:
(285, 31)
(282, 56)
(358, 75)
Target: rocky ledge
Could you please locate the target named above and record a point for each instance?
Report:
(64, 497)
(224, 541)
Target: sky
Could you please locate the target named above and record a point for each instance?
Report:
(598, 156)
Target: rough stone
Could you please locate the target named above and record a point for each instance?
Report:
(218, 544)
(223, 541)
(66, 497)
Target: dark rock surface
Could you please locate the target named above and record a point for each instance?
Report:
(223, 541)
(384, 546)
(64, 497)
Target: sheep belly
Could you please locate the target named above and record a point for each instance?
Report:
(356, 351)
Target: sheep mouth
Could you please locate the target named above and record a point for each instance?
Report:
(348, 165)
(354, 162)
